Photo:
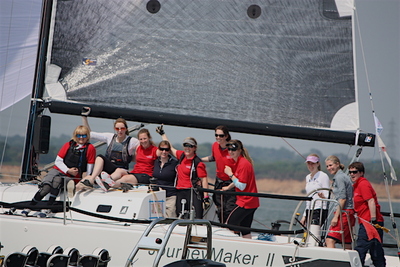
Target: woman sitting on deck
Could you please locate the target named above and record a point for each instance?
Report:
(120, 150)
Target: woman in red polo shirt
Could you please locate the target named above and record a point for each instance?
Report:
(244, 180)
(224, 203)
(190, 174)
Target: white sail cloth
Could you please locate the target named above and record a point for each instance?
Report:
(19, 31)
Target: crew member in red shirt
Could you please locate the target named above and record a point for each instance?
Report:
(369, 214)
(224, 203)
(244, 180)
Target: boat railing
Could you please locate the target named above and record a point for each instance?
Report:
(159, 244)
(307, 227)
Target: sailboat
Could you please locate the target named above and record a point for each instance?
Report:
(257, 68)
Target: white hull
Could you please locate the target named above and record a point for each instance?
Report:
(120, 238)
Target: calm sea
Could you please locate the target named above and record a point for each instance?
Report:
(272, 210)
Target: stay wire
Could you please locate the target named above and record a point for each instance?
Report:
(379, 149)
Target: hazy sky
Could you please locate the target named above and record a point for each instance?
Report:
(379, 27)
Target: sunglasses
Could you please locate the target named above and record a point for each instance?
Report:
(164, 149)
(219, 135)
(188, 145)
(120, 129)
(353, 172)
(81, 135)
(232, 148)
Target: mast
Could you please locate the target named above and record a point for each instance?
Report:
(29, 168)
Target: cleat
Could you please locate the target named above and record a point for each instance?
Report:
(104, 186)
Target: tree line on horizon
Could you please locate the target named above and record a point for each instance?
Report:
(271, 163)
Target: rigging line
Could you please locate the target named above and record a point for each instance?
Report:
(293, 148)
(364, 60)
(380, 149)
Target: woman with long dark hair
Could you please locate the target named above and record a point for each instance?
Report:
(243, 180)
(219, 153)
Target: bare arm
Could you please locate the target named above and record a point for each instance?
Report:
(372, 209)
(173, 150)
(85, 112)
(208, 159)
(204, 184)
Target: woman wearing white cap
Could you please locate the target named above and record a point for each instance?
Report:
(315, 180)
(191, 174)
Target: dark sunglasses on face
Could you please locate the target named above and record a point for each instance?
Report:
(353, 172)
(188, 145)
(232, 148)
(120, 128)
(219, 135)
(81, 135)
(164, 149)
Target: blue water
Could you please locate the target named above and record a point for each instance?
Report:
(272, 210)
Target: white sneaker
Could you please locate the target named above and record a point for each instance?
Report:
(105, 177)
(103, 185)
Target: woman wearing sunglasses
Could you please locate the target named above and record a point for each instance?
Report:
(370, 237)
(191, 174)
(243, 180)
(343, 192)
(165, 172)
(224, 203)
(120, 150)
(74, 158)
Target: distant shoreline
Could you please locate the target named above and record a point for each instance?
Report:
(265, 185)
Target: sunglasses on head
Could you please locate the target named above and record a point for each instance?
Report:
(120, 128)
(188, 145)
(219, 135)
(81, 135)
(232, 148)
(164, 149)
(353, 172)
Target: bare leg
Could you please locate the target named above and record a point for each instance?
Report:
(129, 178)
(330, 243)
(118, 173)
(97, 168)
(247, 236)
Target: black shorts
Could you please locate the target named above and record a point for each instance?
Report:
(142, 178)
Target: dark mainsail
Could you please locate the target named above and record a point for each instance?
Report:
(281, 68)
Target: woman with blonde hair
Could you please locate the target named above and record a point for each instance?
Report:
(75, 157)
(343, 192)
